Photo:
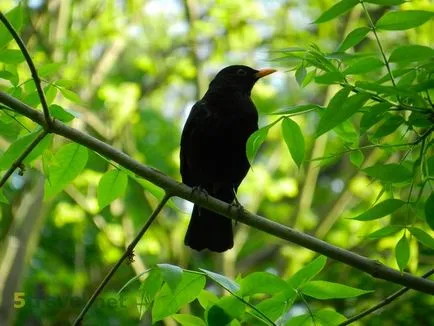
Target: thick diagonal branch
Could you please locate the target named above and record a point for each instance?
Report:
(372, 267)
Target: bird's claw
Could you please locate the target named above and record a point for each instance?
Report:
(201, 190)
(236, 204)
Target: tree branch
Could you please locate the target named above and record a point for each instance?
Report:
(372, 267)
(127, 253)
(381, 304)
(35, 76)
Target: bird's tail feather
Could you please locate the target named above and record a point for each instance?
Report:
(208, 230)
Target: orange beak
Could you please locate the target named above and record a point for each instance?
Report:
(264, 72)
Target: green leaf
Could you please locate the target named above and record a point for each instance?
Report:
(363, 66)
(70, 160)
(207, 298)
(402, 253)
(15, 17)
(255, 141)
(307, 272)
(430, 166)
(330, 77)
(261, 282)
(384, 208)
(224, 311)
(188, 320)
(429, 211)
(111, 186)
(60, 113)
(386, 2)
(172, 274)
(324, 317)
(334, 116)
(401, 20)
(70, 95)
(389, 126)
(148, 290)
(391, 172)
(353, 38)
(328, 317)
(167, 302)
(294, 140)
(357, 158)
(224, 281)
(347, 133)
(3, 198)
(293, 110)
(411, 53)
(278, 304)
(373, 115)
(49, 69)
(338, 9)
(384, 232)
(19, 146)
(423, 237)
(11, 56)
(328, 290)
(300, 74)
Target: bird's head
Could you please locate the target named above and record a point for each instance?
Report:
(238, 77)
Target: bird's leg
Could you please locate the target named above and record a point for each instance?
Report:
(203, 191)
(236, 204)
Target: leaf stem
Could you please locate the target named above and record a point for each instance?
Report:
(127, 253)
(386, 62)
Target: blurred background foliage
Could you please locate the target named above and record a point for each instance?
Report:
(130, 71)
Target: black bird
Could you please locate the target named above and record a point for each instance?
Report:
(213, 151)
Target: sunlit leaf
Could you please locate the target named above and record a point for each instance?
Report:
(411, 53)
(188, 320)
(391, 172)
(167, 302)
(363, 66)
(307, 272)
(148, 290)
(60, 113)
(384, 232)
(261, 282)
(336, 10)
(386, 2)
(294, 140)
(70, 161)
(382, 209)
(422, 237)
(401, 20)
(11, 56)
(293, 110)
(172, 274)
(402, 253)
(226, 282)
(70, 95)
(300, 74)
(334, 116)
(324, 290)
(353, 38)
(111, 186)
(357, 158)
(15, 17)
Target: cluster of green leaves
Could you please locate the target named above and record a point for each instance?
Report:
(257, 299)
(384, 108)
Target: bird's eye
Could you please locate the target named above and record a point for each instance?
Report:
(241, 72)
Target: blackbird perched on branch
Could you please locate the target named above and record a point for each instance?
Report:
(213, 151)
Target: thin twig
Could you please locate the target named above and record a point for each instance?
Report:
(22, 157)
(374, 30)
(35, 76)
(381, 304)
(370, 266)
(127, 253)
